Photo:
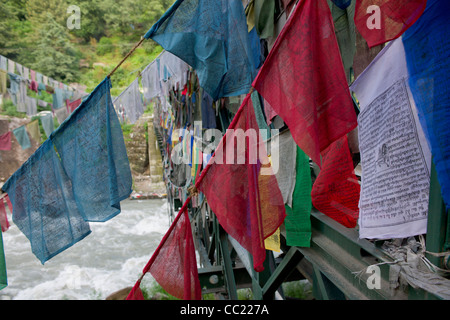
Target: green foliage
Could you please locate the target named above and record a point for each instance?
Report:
(104, 46)
(55, 56)
(156, 292)
(9, 109)
(35, 34)
(301, 289)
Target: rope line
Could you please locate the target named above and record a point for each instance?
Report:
(126, 57)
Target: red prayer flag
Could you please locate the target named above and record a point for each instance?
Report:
(4, 223)
(303, 79)
(73, 105)
(5, 141)
(173, 264)
(379, 21)
(240, 186)
(336, 190)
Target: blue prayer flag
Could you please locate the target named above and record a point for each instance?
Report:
(93, 154)
(44, 208)
(427, 50)
(21, 135)
(79, 174)
(212, 37)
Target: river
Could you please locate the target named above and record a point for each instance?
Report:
(110, 258)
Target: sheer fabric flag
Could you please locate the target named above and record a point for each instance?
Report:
(298, 221)
(240, 186)
(93, 154)
(47, 123)
(3, 274)
(380, 21)
(336, 190)
(44, 208)
(5, 141)
(173, 265)
(151, 81)
(33, 129)
(21, 135)
(4, 223)
(72, 105)
(212, 37)
(303, 80)
(79, 174)
(130, 100)
(427, 58)
(395, 157)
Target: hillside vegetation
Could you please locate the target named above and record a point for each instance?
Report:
(37, 35)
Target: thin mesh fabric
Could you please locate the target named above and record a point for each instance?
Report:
(47, 123)
(336, 190)
(79, 174)
(3, 274)
(4, 223)
(298, 221)
(151, 81)
(379, 21)
(130, 101)
(427, 50)
(240, 186)
(212, 37)
(22, 137)
(44, 206)
(303, 80)
(5, 141)
(173, 265)
(92, 150)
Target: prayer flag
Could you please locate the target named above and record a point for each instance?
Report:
(130, 99)
(47, 123)
(380, 21)
(427, 47)
(33, 129)
(4, 223)
(298, 221)
(92, 150)
(173, 264)
(395, 157)
(44, 207)
(3, 275)
(303, 80)
(5, 141)
(22, 137)
(79, 174)
(240, 186)
(212, 37)
(336, 190)
(72, 105)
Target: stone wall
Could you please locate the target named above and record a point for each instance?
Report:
(145, 158)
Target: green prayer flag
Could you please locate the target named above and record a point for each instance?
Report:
(264, 11)
(3, 278)
(297, 221)
(345, 33)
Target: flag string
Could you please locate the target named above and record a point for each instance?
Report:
(126, 57)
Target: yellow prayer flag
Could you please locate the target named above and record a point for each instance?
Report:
(33, 130)
(273, 242)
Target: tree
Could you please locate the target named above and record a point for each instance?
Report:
(55, 56)
(93, 24)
